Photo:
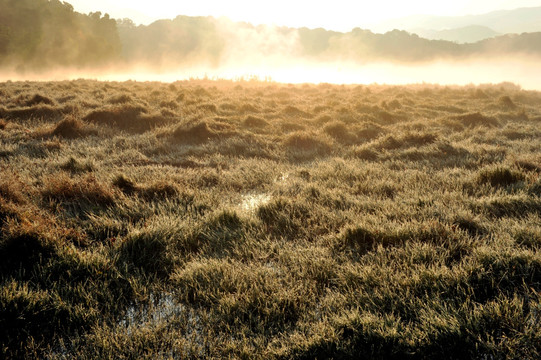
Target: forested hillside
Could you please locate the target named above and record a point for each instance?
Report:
(40, 34)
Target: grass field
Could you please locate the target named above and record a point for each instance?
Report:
(217, 219)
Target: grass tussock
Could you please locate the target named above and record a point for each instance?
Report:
(255, 122)
(120, 99)
(74, 166)
(500, 176)
(64, 189)
(506, 102)
(127, 117)
(146, 252)
(530, 166)
(23, 249)
(193, 134)
(340, 132)
(219, 219)
(477, 119)
(408, 140)
(12, 188)
(30, 317)
(370, 131)
(40, 111)
(293, 111)
(160, 190)
(38, 99)
(71, 128)
(302, 144)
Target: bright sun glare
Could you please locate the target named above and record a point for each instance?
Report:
(520, 71)
(382, 73)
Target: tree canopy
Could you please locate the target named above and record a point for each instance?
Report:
(38, 34)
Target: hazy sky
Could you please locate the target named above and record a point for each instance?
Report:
(342, 15)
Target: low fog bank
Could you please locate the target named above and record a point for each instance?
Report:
(524, 72)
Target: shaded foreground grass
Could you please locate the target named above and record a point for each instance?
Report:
(255, 220)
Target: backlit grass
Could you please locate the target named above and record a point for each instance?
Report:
(246, 219)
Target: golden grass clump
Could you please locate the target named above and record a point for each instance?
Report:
(475, 120)
(307, 144)
(255, 122)
(127, 117)
(39, 111)
(159, 190)
(500, 176)
(193, 134)
(64, 189)
(70, 128)
(38, 99)
(340, 132)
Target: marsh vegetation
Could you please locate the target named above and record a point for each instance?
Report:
(247, 219)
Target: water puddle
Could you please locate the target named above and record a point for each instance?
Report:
(160, 308)
(282, 178)
(165, 309)
(251, 202)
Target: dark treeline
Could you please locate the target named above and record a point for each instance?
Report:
(42, 34)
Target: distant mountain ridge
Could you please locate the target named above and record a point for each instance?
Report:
(467, 34)
(515, 21)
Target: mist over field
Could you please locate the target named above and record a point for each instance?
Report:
(523, 72)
